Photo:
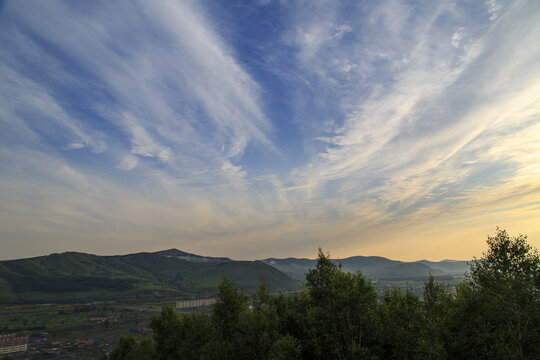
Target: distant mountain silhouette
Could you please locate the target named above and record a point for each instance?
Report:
(375, 267)
(73, 276)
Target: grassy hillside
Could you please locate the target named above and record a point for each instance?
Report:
(83, 277)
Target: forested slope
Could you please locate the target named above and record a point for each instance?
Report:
(75, 276)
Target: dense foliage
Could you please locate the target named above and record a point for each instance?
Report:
(494, 314)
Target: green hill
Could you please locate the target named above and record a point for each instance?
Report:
(75, 276)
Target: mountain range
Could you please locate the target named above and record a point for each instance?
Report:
(73, 276)
(376, 267)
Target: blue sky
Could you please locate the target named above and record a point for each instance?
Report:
(252, 129)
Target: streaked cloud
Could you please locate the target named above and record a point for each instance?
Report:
(254, 131)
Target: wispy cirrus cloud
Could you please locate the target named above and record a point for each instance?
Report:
(246, 129)
(167, 81)
(28, 108)
(445, 99)
(134, 82)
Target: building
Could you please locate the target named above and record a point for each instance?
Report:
(103, 319)
(11, 343)
(195, 303)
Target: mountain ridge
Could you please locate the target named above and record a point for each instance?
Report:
(81, 276)
(74, 276)
(375, 267)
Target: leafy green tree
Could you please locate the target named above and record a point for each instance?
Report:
(292, 315)
(437, 303)
(437, 299)
(129, 349)
(285, 348)
(258, 327)
(226, 311)
(181, 337)
(404, 324)
(497, 313)
(167, 333)
(342, 313)
(226, 323)
(124, 347)
(144, 350)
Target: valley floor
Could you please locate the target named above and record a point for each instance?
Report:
(78, 331)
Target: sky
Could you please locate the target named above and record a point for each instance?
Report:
(269, 128)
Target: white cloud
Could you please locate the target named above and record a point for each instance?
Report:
(128, 163)
(165, 66)
(75, 146)
(394, 16)
(233, 171)
(493, 8)
(33, 108)
(142, 143)
(408, 140)
(399, 112)
(457, 36)
(341, 30)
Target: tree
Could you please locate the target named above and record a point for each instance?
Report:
(285, 348)
(509, 260)
(404, 326)
(342, 312)
(292, 316)
(498, 306)
(144, 350)
(181, 337)
(258, 328)
(226, 311)
(129, 349)
(495, 315)
(195, 332)
(122, 350)
(437, 303)
(167, 333)
(226, 322)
